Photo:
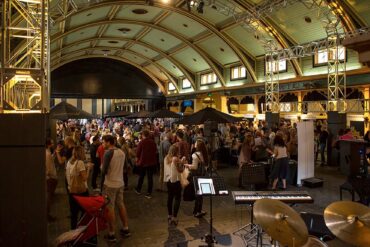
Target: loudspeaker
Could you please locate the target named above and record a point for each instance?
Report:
(316, 226)
(272, 119)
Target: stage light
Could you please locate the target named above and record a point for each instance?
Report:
(200, 7)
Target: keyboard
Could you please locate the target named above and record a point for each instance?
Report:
(249, 197)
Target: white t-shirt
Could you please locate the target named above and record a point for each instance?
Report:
(71, 169)
(170, 172)
(114, 175)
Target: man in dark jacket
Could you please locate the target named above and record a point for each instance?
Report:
(146, 154)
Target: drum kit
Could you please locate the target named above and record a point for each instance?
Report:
(348, 221)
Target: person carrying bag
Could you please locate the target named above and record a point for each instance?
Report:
(76, 174)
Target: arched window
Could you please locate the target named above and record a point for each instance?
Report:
(233, 105)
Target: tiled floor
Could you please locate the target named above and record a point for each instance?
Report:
(148, 217)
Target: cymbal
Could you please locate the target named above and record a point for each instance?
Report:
(281, 222)
(349, 221)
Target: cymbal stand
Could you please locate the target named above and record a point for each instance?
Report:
(250, 231)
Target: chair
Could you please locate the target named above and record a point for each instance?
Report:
(348, 187)
(252, 175)
(361, 185)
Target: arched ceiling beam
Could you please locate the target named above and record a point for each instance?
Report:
(280, 37)
(155, 79)
(213, 66)
(342, 12)
(358, 21)
(177, 9)
(228, 40)
(92, 49)
(179, 65)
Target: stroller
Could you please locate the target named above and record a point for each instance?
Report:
(91, 223)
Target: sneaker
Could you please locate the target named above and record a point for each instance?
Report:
(200, 214)
(125, 233)
(149, 196)
(137, 192)
(110, 238)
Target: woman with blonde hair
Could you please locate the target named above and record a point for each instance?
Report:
(76, 171)
(172, 169)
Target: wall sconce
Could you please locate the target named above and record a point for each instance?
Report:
(366, 121)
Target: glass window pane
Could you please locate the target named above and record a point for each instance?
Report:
(322, 56)
(282, 65)
(235, 73)
(171, 87)
(243, 72)
(203, 79)
(341, 53)
(186, 83)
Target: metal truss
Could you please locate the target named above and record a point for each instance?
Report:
(62, 10)
(24, 55)
(327, 13)
(272, 82)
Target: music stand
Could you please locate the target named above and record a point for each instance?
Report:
(210, 186)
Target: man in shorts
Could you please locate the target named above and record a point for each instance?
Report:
(112, 171)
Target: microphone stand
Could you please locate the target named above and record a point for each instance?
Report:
(209, 239)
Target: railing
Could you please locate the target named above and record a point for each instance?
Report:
(354, 106)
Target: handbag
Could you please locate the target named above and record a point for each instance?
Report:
(77, 185)
(184, 178)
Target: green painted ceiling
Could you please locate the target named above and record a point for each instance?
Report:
(171, 43)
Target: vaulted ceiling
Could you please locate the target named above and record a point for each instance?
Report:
(168, 41)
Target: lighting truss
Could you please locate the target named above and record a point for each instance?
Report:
(62, 10)
(327, 13)
(24, 55)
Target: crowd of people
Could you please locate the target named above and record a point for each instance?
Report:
(116, 148)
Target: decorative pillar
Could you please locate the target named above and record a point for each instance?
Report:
(366, 93)
(224, 104)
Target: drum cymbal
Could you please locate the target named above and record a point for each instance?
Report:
(281, 222)
(349, 221)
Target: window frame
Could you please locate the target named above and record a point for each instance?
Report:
(280, 71)
(239, 67)
(315, 57)
(208, 83)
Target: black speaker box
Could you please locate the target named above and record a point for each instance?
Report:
(313, 182)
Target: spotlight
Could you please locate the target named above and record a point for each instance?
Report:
(200, 7)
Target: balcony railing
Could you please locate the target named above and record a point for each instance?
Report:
(354, 106)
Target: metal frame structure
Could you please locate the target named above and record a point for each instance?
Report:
(328, 14)
(25, 55)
